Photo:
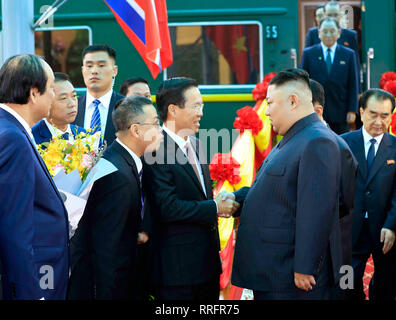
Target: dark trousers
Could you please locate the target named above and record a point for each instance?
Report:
(323, 293)
(206, 291)
(383, 284)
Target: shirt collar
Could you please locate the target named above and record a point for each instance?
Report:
(367, 137)
(179, 140)
(22, 121)
(332, 48)
(55, 131)
(104, 100)
(137, 160)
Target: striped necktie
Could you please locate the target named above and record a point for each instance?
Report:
(95, 120)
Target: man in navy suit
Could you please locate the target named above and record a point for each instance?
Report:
(288, 242)
(348, 37)
(95, 107)
(63, 112)
(34, 227)
(374, 216)
(334, 67)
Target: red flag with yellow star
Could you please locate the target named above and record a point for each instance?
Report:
(237, 44)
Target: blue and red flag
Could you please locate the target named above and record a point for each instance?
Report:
(145, 22)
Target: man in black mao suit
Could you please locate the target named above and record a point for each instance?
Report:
(334, 67)
(186, 263)
(374, 216)
(96, 105)
(349, 167)
(103, 248)
(290, 247)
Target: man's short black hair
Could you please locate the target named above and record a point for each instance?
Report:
(319, 7)
(288, 75)
(100, 47)
(60, 76)
(125, 85)
(378, 94)
(171, 91)
(328, 19)
(18, 75)
(317, 92)
(128, 111)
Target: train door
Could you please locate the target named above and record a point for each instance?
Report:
(351, 19)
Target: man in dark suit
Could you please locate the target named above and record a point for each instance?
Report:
(104, 246)
(62, 113)
(334, 67)
(374, 216)
(96, 105)
(348, 37)
(349, 167)
(34, 255)
(290, 248)
(186, 261)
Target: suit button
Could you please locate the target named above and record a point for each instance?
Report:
(367, 193)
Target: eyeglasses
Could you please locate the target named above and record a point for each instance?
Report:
(156, 124)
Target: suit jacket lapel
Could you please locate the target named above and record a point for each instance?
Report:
(382, 154)
(44, 131)
(81, 111)
(358, 150)
(110, 131)
(175, 152)
(321, 59)
(199, 150)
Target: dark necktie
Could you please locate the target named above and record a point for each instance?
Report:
(328, 61)
(371, 155)
(65, 136)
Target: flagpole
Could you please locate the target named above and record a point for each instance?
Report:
(17, 35)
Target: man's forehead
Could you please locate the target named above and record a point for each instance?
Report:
(378, 105)
(97, 56)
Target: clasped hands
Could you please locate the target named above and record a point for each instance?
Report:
(226, 204)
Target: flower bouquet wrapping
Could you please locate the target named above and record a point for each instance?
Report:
(75, 166)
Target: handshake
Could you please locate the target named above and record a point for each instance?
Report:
(226, 204)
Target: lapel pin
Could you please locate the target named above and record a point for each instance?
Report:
(320, 58)
(342, 62)
(389, 162)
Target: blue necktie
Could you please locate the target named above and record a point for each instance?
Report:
(95, 120)
(371, 155)
(328, 61)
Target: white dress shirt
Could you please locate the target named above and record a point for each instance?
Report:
(366, 139)
(20, 120)
(332, 51)
(56, 132)
(183, 146)
(103, 110)
(138, 162)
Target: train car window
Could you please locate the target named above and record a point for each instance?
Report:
(217, 54)
(61, 47)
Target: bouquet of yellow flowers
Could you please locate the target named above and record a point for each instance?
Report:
(62, 155)
(75, 166)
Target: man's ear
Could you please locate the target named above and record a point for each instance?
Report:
(134, 130)
(34, 94)
(115, 71)
(294, 100)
